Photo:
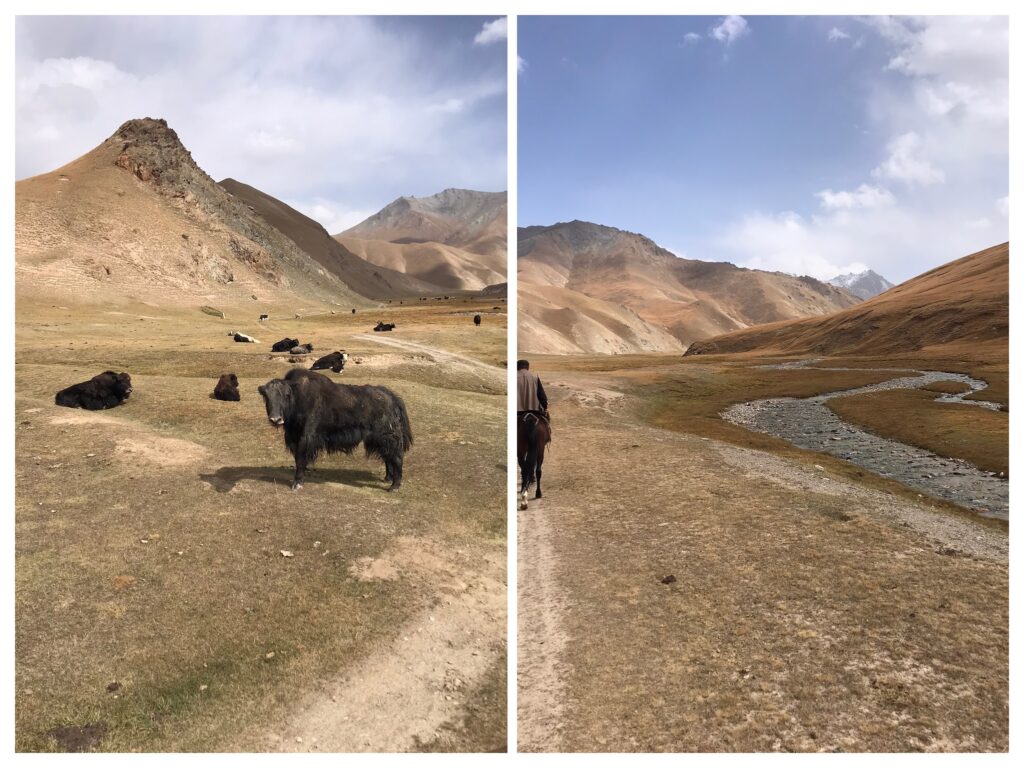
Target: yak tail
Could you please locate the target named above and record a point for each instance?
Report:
(406, 429)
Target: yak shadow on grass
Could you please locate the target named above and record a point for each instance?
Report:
(225, 478)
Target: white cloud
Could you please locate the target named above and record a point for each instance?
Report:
(837, 34)
(272, 143)
(939, 110)
(391, 112)
(448, 105)
(690, 38)
(865, 196)
(786, 242)
(492, 32)
(332, 214)
(906, 163)
(731, 29)
(521, 64)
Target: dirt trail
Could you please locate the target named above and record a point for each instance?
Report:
(399, 697)
(493, 375)
(804, 612)
(541, 682)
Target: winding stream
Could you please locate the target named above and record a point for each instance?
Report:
(810, 424)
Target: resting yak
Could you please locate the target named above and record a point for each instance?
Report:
(106, 390)
(320, 416)
(334, 362)
(302, 349)
(284, 345)
(381, 326)
(227, 388)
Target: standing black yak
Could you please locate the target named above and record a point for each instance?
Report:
(321, 416)
(227, 388)
(105, 390)
(284, 345)
(476, 319)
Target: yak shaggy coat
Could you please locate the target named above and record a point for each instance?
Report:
(320, 416)
(227, 388)
(105, 390)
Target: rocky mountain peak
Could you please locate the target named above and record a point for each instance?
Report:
(152, 151)
(865, 285)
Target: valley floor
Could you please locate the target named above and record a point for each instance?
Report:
(172, 593)
(812, 607)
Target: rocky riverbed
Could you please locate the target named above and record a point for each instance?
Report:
(810, 424)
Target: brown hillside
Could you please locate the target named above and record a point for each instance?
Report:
(603, 270)
(455, 239)
(442, 265)
(377, 282)
(136, 218)
(467, 219)
(963, 304)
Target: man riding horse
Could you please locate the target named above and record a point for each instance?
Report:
(532, 426)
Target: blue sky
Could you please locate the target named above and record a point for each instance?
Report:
(336, 116)
(812, 145)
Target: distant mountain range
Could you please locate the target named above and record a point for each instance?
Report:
(137, 218)
(585, 287)
(960, 309)
(865, 285)
(456, 239)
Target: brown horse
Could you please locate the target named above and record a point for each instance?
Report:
(533, 434)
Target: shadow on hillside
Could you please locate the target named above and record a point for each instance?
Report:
(225, 478)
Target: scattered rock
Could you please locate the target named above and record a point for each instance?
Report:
(670, 579)
(114, 687)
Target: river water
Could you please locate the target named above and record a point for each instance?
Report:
(810, 424)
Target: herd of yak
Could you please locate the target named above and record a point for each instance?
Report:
(318, 414)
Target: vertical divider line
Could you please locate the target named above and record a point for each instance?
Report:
(512, 303)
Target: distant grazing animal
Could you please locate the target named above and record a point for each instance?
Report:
(244, 338)
(264, 317)
(353, 310)
(476, 319)
(302, 349)
(384, 327)
(334, 362)
(227, 388)
(284, 345)
(105, 390)
(320, 416)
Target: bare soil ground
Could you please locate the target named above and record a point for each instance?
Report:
(155, 608)
(811, 607)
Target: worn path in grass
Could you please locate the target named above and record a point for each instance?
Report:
(156, 609)
(806, 610)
